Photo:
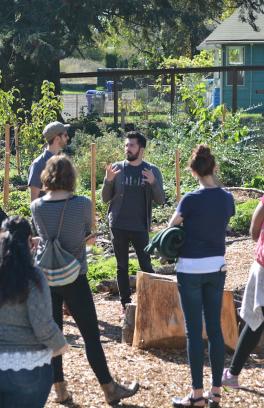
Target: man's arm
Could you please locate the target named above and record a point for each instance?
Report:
(34, 182)
(158, 194)
(34, 193)
(108, 186)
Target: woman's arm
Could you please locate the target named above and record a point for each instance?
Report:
(40, 316)
(176, 219)
(257, 221)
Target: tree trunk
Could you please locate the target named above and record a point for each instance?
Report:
(159, 319)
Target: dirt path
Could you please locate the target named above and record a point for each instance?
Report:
(162, 374)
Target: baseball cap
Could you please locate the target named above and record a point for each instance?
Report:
(53, 129)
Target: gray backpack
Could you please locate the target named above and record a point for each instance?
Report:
(60, 267)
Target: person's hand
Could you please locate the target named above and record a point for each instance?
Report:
(61, 351)
(111, 172)
(91, 239)
(149, 176)
(34, 242)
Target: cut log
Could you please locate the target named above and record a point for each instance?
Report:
(159, 319)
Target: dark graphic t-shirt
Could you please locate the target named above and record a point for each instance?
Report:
(132, 215)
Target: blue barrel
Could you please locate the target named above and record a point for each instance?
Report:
(89, 97)
(109, 86)
(216, 97)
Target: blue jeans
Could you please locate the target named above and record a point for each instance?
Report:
(25, 388)
(201, 295)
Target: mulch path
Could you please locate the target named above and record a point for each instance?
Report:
(162, 374)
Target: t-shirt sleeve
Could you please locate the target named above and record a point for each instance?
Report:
(262, 200)
(184, 206)
(232, 207)
(34, 175)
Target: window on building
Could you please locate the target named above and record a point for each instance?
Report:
(235, 56)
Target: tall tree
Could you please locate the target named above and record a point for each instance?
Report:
(36, 34)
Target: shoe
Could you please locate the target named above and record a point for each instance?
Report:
(114, 392)
(210, 399)
(229, 380)
(62, 394)
(177, 402)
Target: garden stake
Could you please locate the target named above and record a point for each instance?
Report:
(177, 174)
(17, 151)
(7, 165)
(93, 185)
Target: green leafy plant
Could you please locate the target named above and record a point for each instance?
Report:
(102, 268)
(256, 182)
(240, 223)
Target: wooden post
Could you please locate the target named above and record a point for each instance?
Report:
(17, 151)
(173, 92)
(177, 174)
(7, 165)
(93, 184)
(123, 116)
(234, 90)
(116, 102)
(77, 106)
(223, 113)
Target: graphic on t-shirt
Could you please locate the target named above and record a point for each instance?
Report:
(134, 181)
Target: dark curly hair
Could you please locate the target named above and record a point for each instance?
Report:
(16, 262)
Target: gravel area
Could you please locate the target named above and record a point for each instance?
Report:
(162, 374)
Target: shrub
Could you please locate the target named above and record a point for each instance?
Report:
(19, 203)
(240, 223)
(256, 182)
(102, 268)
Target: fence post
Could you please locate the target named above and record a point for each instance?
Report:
(116, 101)
(234, 90)
(173, 92)
(123, 117)
(77, 106)
(178, 176)
(7, 165)
(93, 184)
(17, 151)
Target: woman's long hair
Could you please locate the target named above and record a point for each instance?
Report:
(16, 262)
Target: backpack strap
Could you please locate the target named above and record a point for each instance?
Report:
(61, 217)
(60, 222)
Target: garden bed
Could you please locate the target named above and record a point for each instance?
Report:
(161, 374)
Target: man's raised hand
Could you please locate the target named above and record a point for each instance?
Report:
(111, 172)
(149, 176)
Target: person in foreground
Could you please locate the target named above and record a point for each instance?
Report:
(201, 272)
(252, 310)
(59, 181)
(28, 334)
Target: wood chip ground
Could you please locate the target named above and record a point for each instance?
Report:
(162, 374)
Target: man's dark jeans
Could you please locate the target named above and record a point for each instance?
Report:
(201, 295)
(121, 240)
(25, 388)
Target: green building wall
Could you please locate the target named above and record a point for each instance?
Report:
(247, 96)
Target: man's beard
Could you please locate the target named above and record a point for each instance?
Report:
(132, 157)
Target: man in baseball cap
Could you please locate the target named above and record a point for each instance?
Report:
(57, 137)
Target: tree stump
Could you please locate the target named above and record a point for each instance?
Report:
(159, 319)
